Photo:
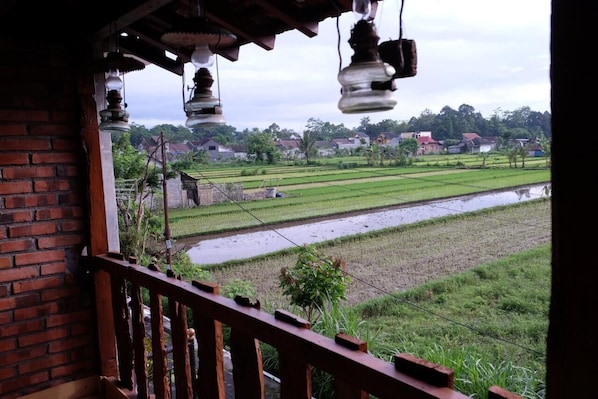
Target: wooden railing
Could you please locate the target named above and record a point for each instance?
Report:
(124, 343)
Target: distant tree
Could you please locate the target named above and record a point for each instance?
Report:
(261, 148)
(411, 145)
(174, 134)
(546, 146)
(190, 159)
(522, 153)
(326, 131)
(138, 133)
(307, 145)
(128, 163)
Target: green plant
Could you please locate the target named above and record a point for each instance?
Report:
(238, 287)
(314, 282)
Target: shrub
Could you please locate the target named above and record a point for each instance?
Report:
(314, 282)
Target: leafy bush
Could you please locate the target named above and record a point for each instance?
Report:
(314, 282)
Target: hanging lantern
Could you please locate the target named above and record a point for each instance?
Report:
(115, 117)
(203, 109)
(367, 83)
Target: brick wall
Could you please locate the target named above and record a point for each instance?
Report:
(47, 333)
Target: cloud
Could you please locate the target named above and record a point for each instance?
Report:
(488, 55)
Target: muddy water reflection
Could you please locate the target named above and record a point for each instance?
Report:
(242, 246)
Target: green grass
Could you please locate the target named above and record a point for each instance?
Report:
(489, 324)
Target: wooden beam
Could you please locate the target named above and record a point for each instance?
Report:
(309, 29)
(127, 18)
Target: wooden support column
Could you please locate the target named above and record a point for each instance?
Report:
(103, 221)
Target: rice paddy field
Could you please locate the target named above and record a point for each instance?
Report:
(307, 192)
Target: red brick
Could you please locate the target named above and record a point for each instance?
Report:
(5, 317)
(70, 319)
(46, 336)
(17, 129)
(68, 171)
(16, 245)
(52, 130)
(61, 145)
(35, 311)
(17, 187)
(39, 257)
(55, 157)
(3, 293)
(72, 225)
(15, 329)
(53, 268)
(62, 293)
(2, 233)
(15, 217)
(23, 116)
(68, 370)
(51, 185)
(18, 273)
(66, 116)
(43, 363)
(23, 382)
(37, 284)
(28, 172)
(65, 344)
(5, 262)
(81, 328)
(59, 241)
(47, 214)
(27, 144)
(14, 159)
(8, 345)
(16, 356)
(30, 201)
(6, 373)
(71, 198)
(32, 229)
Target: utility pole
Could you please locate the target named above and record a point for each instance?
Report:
(169, 271)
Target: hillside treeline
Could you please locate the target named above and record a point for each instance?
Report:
(448, 124)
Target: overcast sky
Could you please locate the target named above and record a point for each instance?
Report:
(492, 55)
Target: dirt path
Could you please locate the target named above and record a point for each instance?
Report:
(411, 256)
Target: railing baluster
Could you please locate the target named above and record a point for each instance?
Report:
(138, 323)
(159, 361)
(124, 342)
(248, 373)
(295, 373)
(210, 383)
(180, 350)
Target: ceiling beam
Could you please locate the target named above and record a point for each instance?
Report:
(309, 29)
(154, 55)
(127, 18)
(243, 35)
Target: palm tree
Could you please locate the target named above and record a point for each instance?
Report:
(307, 144)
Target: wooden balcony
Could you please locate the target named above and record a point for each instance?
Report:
(124, 345)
